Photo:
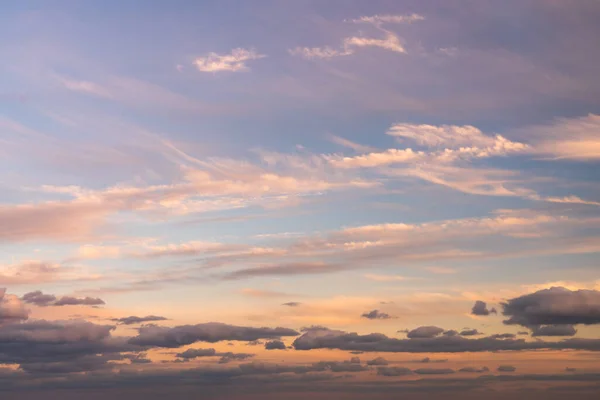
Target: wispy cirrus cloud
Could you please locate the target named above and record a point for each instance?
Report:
(235, 61)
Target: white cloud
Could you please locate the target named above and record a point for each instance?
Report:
(233, 62)
(391, 42)
(319, 52)
(387, 18)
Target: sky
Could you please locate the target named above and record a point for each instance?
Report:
(262, 199)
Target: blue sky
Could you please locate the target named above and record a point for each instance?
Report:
(209, 161)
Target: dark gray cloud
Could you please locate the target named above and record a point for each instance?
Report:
(480, 308)
(229, 357)
(393, 371)
(450, 332)
(554, 306)
(376, 314)
(139, 358)
(355, 360)
(292, 304)
(569, 369)
(553, 330)
(503, 336)
(275, 345)
(60, 346)
(131, 320)
(506, 368)
(433, 371)
(44, 300)
(74, 301)
(427, 360)
(474, 369)
(470, 332)
(39, 298)
(424, 332)
(377, 342)
(195, 353)
(378, 361)
(210, 332)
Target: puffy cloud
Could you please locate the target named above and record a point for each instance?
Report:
(43, 300)
(433, 371)
(60, 346)
(506, 368)
(195, 353)
(131, 320)
(11, 308)
(74, 301)
(355, 360)
(424, 332)
(38, 298)
(553, 330)
(503, 336)
(233, 62)
(209, 332)
(480, 308)
(275, 345)
(554, 306)
(393, 371)
(469, 332)
(376, 314)
(378, 361)
(229, 357)
(474, 369)
(377, 342)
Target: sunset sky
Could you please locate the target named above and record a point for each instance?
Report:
(336, 199)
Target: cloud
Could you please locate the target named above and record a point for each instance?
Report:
(480, 308)
(385, 278)
(275, 345)
(427, 360)
(229, 357)
(377, 342)
(232, 62)
(319, 52)
(292, 304)
(433, 371)
(424, 332)
(553, 330)
(554, 306)
(378, 361)
(11, 308)
(195, 353)
(38, 298)
(376, 314)
(387, 18)
(74, 301)
(506, 368)
(469, 332)
(474, 369)
(131, 320)
(209, 332)
(393, 371)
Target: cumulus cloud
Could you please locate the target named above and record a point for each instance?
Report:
(74, 301)
(506, 368)
(424, 332)
(39, 298)
(209, 332)
(480, 308)
(275, 345)
(131, 320)
(433, 371)
(195, 353)
(11, 308)
(377, 342)
(233, 62)
(553, 330)
(393, 371)
(554, 306)
(469, 332)
(474, 369)
(378, 361)
(43, 300)
(229, 357)
(376, 314)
